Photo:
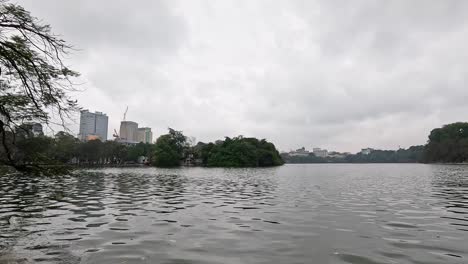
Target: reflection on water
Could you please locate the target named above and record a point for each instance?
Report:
(292, 214)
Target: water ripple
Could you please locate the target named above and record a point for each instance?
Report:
(329, 213)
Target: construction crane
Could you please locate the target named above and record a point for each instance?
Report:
(116, 135)
(125, 114)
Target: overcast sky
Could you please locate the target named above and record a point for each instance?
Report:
(341, 75)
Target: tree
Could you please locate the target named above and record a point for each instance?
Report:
(66, 147)
(35, 150)
(34, 81)
(114, 153)
(448, 144)
(169, 149)
(240, 152)
(139, 150)
(92, 152)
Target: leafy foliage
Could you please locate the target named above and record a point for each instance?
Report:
(169, 149)
(65, 149)
(239, 152)
(448, 144)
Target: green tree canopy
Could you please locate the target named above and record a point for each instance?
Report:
(239, 152)
(169, 149)
(448, 144)
(66, 146)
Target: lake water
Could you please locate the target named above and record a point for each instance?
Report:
(341, 213)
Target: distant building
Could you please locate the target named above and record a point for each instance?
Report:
(128, 132)
(145, 135)
(318, 152)
(28, 130)
(37, 129)
(366, 151)
(93, 126)
(302, 152)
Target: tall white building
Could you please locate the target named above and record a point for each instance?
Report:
(93, 126)
(128, 132)
(145, 135)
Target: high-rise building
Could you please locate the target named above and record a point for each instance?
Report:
(128, 132)
(145, 135)
(93, 126)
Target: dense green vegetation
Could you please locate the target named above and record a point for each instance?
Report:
(238, 152)
(448, 144)
(66, 149)
(169, 149)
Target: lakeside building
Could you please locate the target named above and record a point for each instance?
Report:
(145, 135)
(93, 126)
(318, 152)
(302, 152)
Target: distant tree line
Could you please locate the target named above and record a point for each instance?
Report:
(410, 155)
(448, 144)
(64, 148)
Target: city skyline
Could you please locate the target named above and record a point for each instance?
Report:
(94, 125)
(130, 132)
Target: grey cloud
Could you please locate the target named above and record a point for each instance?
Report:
(335, 74)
